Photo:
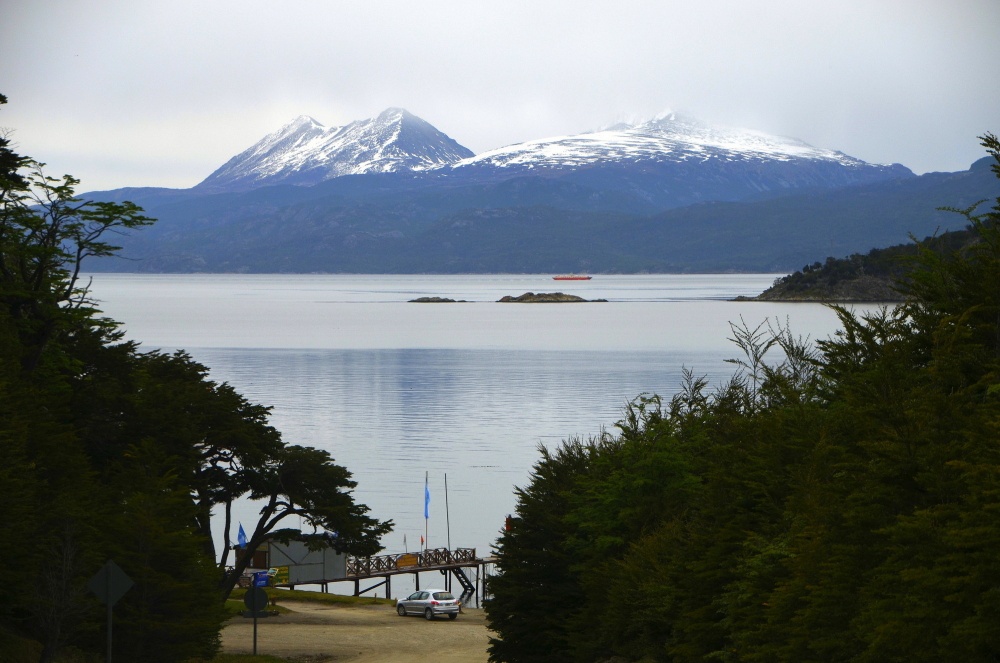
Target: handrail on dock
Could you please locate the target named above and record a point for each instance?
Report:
(365, 567)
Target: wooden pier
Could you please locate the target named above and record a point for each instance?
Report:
(452, 564)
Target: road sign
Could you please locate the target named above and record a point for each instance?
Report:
(255, 600)
(110, 583)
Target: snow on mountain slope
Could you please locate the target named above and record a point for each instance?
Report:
(304, 152)
(671, 137)
(671, 160)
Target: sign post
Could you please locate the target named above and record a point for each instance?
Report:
(109, 584)
(255, 601)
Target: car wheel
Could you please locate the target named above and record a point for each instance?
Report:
(401, 610)
(453, 615)
(428, 614)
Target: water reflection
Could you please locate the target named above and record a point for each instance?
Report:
(393, 390)
(477, 415)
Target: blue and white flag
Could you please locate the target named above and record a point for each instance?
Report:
(241, 538)
(427, 500)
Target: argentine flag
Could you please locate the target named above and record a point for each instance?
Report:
(427, 500)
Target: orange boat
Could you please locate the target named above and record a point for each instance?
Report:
(572, 277)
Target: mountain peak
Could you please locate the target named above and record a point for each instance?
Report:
(394, 114)
(303, 121)
(673, 146)
(305, 152)
(672, 120)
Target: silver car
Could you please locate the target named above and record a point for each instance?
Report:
(430, 603)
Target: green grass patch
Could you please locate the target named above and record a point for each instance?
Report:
(236, 607)
(17, 649)
(248, 658)
(276, 596)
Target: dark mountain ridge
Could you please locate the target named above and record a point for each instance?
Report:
(674, 197)
(402, 223)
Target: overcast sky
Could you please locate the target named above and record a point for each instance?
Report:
(136, 93)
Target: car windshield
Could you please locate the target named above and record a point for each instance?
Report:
(444, 596)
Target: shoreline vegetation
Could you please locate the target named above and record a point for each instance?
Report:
(835, 500)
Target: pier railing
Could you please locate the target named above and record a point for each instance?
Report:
(365, 567)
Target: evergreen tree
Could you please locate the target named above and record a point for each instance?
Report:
(837, 505)
(114, 453)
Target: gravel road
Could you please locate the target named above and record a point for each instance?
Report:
(361, 633)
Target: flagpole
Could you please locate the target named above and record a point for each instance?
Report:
(447, 516)
(427, 503)
(447, 521)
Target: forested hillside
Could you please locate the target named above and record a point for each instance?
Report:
(838, 503)
(112, 453)
(877, 276)
(400, 223)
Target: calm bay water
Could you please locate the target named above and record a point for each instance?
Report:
(469, 390)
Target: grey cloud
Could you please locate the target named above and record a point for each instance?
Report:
(125, 93)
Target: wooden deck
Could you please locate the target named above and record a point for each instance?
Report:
(427, 560)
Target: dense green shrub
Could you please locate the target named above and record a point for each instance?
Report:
(839, 503)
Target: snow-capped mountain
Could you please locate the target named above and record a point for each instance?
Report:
(668, 137)
(683, 159)
(304, 152)
(669, 161)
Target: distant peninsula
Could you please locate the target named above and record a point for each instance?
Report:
(877, 276)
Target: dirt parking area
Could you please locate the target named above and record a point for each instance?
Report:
(360, 633)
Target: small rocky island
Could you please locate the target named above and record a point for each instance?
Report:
(546, 298)
(436, 300)
(528, 297)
